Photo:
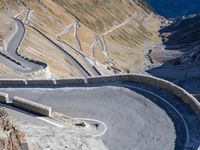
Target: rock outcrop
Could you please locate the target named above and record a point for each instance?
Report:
(10, 137)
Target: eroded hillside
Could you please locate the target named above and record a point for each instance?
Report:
(112, 35)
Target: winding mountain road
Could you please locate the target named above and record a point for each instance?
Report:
(79, 66)
(24, 65)
(20, 64)
(137, 116)
(75, 26)
(93, 69)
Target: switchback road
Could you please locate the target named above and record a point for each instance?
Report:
(137, 116)
(12, 50)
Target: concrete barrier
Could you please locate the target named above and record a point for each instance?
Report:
(13, 82)
(154, 81)
(32, 106)
(75, 81)
(40, 82)
(3, 97)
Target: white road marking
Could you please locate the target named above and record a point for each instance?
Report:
(185, 124)
(98, 121)
(51, 122)
(27, 113)
(104, 125)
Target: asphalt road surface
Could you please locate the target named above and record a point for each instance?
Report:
(25, 66)
(12, 48)
(137, 117)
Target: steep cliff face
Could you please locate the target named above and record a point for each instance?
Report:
(110, 33)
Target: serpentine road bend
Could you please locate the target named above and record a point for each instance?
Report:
(137, 116)
(93, 69)
(75, 25)
(13, 47)
(79, 66)
(23, 65)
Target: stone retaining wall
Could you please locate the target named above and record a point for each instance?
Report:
(3, 97)
(32, 106)
(75, 81)
(154, 81)
(40, 82)
(14, 82)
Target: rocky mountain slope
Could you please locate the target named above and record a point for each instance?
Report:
(16, 134)
(111, 34)
(73, 135)
(10, 137)
(182, 40)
